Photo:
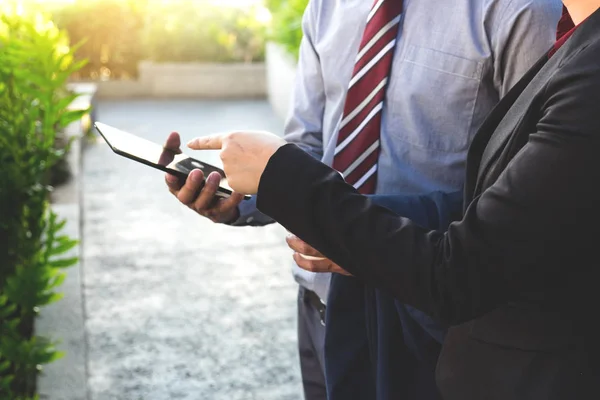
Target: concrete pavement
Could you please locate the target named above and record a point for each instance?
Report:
(177, 307)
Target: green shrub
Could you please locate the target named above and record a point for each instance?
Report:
(35, 63)
(187, 30)
(286, 25)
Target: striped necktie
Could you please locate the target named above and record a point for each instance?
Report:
(357, 149)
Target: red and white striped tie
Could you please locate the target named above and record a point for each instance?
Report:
(357, 149)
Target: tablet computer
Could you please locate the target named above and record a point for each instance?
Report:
(154, 155)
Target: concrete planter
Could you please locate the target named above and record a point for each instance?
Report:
(215, 81)
(281, 73)
(66, 379)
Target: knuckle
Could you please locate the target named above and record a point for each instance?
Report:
(233, 136)
(205, 214)
(182, 198)
(222, 208)
(199, 208)
(224, 205)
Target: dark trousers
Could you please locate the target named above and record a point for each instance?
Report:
(311, 342)
(377, 348)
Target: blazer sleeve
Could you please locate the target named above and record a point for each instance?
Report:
(529, 230)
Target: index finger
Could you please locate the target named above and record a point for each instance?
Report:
(212, 142)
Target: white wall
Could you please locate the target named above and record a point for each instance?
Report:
(281, 73)
(190, 80)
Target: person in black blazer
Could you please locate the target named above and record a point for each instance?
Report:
(517, 277)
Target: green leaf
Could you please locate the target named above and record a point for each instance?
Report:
(56, 227)
(5, 365)
(57, 281)
(49, 298)
(7, 311)
(6, 381)
(64, 244)
(50, 356)
(64, 262)
(63, 103)
(76, 66)
(72, 116)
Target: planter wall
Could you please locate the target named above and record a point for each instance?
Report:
(281, 73)
(66, 378)
(190, 80)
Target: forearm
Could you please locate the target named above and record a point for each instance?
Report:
(499, 247)
(368, 240)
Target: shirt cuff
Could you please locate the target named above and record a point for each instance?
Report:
(317, 282)
(249, 215)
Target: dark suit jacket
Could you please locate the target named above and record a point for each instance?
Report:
(518, 275)
(377, 348)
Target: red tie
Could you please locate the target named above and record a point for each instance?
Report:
(358, 144)
(565, 29)
(565, 24)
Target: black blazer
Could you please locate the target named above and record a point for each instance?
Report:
(518, 276)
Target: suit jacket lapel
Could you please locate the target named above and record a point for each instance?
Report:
(487, 129)
(505, 118)
(541, 72)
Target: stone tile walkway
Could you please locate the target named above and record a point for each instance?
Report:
(177, 307)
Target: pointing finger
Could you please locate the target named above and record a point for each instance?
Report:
(213, 142)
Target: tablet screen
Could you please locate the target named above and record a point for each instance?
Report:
(150, 153)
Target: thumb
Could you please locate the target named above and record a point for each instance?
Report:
(212, 142)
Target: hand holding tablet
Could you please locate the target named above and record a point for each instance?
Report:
(154, 155)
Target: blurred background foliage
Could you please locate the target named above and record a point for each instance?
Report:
(108, 33)
(286, 24)
(117, 34)
(35, 65)
(185, 30)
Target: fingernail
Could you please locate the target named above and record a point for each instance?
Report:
(196, 176)
(191, 142)
(214, 179)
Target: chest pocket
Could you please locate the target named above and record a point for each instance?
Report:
(432, 97)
